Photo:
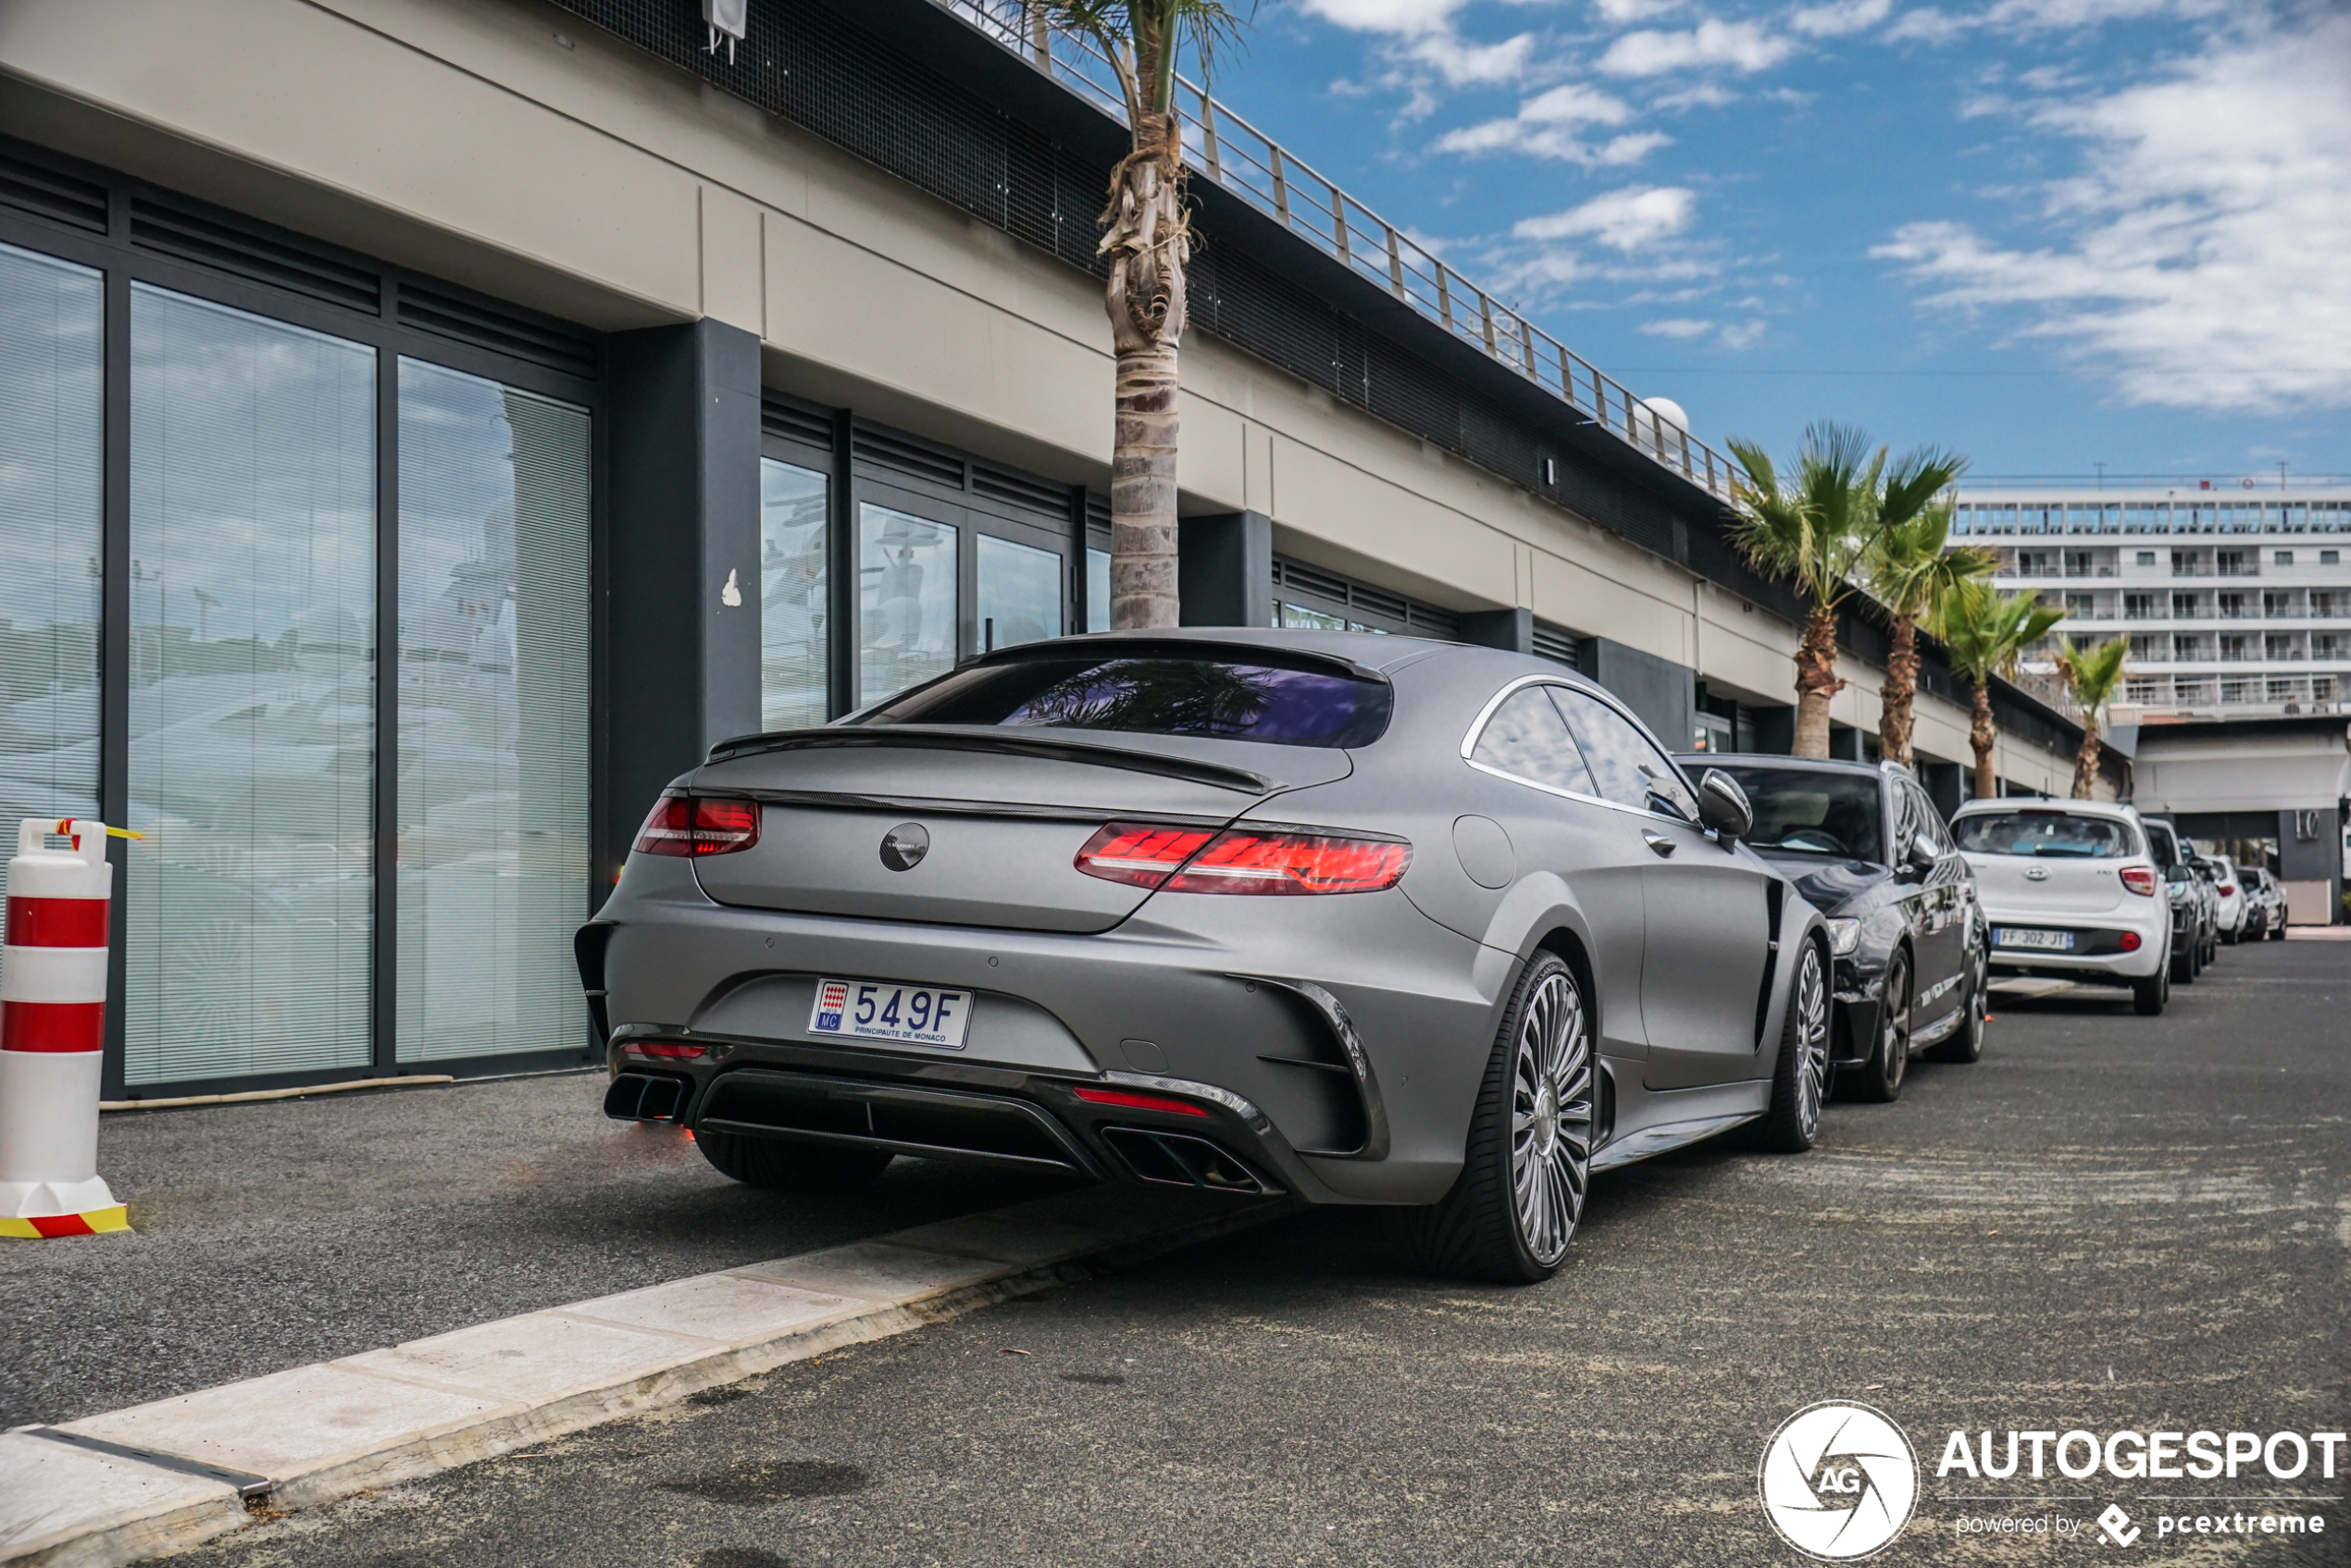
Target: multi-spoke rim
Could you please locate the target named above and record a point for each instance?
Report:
(1810, 1003)
(1552, 1084)
(1893, 1048)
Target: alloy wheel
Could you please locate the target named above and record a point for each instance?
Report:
(1811, 1004)
(1551, 1120)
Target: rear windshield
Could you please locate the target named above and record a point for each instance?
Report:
(1261, 697)
(1830, 814)
(2052, 834)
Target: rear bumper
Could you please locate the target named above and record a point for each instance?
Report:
(1248, 1014)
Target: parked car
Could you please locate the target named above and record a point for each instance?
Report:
(1871, 852)
(2265, 906)
(2071, 891)
(2194, 903)
(2230, 887)
(2207, 871)
(1357, 918)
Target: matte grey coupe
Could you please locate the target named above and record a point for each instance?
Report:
(1358, 918)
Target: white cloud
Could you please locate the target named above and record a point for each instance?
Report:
(1741, 45)
(1407, 17)
(1697, 96)
(1546, 127)
(1744, 334)
(1634, 219)
(2199, 259)
(1677, 327)
(1621, 13)
(1838, 18)
(1463, 64)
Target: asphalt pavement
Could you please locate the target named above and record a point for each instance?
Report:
(271, 1235)
(2109, 1222)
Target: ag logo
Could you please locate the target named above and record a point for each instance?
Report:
(1838, 1481)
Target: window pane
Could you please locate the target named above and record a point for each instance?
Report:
(1528, 739)
(907, 600)
(791, 596)
(1628, 770)
(494, 715)
(1098, 591)
(50, 426)
(1020, 594)
(252, 714)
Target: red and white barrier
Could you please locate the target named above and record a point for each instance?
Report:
(53, 1025)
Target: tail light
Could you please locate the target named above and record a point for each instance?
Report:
(1190, 860)
(687, 825)
(2140, 879)
(2129, 942)
(2228, 891)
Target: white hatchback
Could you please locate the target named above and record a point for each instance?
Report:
(2230, 887)
(2071, 891)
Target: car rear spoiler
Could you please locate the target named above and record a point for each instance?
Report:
(911, 737)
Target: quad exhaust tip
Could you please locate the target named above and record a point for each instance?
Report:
(1171, 1159)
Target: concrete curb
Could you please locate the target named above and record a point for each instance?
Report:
(149, 1480)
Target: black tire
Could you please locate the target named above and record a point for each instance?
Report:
(782, 1166)
(1967, 1045)
(1799, 1077)
(2149, 996)
(2183, 964)
(1879, 1078)
(2277, 932)
(1513, 1211)
(2231, 939)
(2195, 964)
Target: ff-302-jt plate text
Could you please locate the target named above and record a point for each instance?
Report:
(2056, 941)
(901, 1014)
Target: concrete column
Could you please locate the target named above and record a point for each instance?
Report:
(1513, 629)
(682, 559)
(1663, 693)
(1224, 569)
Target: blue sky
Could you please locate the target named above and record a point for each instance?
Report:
(2049, 233)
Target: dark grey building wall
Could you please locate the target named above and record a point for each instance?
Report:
(1663, 693)
(1945, 784)
(683, 521)
(1224, 568)
(1512, 630)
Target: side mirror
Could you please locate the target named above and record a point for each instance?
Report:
(2176, 872)
(1925, 854)
(1722, 805)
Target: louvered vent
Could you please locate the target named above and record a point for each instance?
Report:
(791, 422)
(249, 251)
(1019, 490)
(499, 330)
(1553, 643)
(907, 457)
(46, 193)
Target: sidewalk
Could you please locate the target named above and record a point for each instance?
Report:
(269, 1236)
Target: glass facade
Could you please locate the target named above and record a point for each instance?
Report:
(907, 600)
(792, 507)
(249, 918)
(1020, 594)
(494, 660)
(52, 419)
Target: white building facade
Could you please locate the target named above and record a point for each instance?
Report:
(2235, 594)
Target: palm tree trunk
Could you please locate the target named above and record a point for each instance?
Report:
(1981, 736)
(1148, 243)
(1897, 715)
(2086, 762)
(1816, 682)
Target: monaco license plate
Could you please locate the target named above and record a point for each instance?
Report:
(901, 1014)
(2051, 941)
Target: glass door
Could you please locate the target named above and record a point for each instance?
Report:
(1019, 594)
(906, 600)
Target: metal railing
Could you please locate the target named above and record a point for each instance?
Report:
(1225, 149)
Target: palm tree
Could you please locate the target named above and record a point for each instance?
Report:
(1912, 571)
(1147, 239)
(1817, 531)
(2093, 675)
(1984, 635)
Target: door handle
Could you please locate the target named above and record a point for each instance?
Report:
(1658, 841)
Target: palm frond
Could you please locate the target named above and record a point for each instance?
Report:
(2093, 675)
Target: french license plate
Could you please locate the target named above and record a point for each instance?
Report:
(903, 1015)
(2055, 941)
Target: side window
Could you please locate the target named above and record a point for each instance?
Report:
(1628, 770)
(1526, 738)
